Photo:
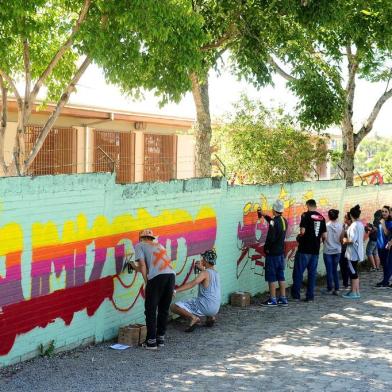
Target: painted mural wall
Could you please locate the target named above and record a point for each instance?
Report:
(64, 239)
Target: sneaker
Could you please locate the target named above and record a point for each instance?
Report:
(309, 300)
(351, 295)
(335, 292)
(325, 291)
(373, 269)
(282, 301)
(294, 299)
(381, 285)
(160, 341)
(270, 303)
(149, 345)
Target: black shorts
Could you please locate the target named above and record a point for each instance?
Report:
(353, 269)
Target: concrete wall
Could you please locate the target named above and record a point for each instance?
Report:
(63, 239)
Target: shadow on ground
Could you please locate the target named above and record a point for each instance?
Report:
(330, 345)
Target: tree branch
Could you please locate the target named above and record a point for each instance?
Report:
(220, 41)
(27, 69)
(59, 54)
(368, 125)
(3, 122)
(9, 80)
(53, 117)
(280, 71)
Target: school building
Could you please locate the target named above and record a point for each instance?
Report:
(137, 146)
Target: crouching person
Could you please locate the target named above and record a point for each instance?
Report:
(208, 300)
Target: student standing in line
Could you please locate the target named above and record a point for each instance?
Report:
(312, 230)
(343, 263)
(383, 236)
(371, 247)
(332, 250)
(155, 266)
(274, 259)
(355, 251)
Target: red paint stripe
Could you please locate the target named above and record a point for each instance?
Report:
(24, 316)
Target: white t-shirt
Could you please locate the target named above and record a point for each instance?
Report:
(355, 233)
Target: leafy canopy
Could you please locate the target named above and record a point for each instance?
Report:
(139, 44)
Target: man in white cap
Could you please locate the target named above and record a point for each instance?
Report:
(155, 266)
(274, 250)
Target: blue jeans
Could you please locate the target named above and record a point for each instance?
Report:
(386, 256)
(304, 261)
(331, 266)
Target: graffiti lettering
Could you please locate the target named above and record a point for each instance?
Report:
(60, 281)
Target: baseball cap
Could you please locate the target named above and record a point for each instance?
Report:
(278, 206)
(147, 233)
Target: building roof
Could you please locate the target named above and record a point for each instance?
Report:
(92, 114)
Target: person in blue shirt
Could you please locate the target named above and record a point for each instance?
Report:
(384, 234)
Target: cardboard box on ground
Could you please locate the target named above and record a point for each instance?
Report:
(240, 298)
(132, 335)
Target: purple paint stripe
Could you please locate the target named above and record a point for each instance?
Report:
(12, 273)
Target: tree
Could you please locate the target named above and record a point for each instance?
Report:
(255, 33)
(256, 142)
(49, 45)
(338, 34)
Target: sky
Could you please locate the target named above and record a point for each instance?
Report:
(225, 89)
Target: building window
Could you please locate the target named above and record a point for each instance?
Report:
(115, 151)
(160, 163)
(57, 154)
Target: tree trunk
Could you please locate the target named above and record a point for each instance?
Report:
(348, 153)
(202, 129)
(347, 126)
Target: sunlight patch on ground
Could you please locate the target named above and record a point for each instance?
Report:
(381, 304)
(334, 316)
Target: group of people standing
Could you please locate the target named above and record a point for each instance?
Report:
(343, 245)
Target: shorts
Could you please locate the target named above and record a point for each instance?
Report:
(353, 269)
(371, 248)
(274, 268)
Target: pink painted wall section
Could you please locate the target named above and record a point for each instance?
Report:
(64, 239)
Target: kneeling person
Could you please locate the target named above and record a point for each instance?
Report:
(208, 300)
(274, 259)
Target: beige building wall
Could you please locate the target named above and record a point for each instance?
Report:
(85, 141)
(139, 156)
(80, 152)
(185, 156)
(9, 142)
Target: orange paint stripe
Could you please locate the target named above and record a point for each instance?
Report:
(13, 259)
(61, 250)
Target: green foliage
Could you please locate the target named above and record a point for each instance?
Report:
(145, 44)
(139, 44)
(264, 146)
(46, 28)
(375, 153)
(46, 351)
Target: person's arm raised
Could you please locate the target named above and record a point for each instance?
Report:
(199, 279)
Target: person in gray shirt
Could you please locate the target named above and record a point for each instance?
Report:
(208, 300)
(332, 251)
(155, 266)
